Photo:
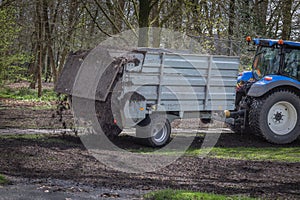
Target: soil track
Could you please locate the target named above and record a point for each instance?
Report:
(65, 158)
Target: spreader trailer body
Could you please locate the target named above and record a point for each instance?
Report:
(148, 88)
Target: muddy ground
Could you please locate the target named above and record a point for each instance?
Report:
(48, 161)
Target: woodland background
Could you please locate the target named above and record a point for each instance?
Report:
(36, 36)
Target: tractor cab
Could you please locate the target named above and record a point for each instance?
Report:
(276, 57)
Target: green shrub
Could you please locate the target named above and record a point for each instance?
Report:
(3, 180)
(28, 94)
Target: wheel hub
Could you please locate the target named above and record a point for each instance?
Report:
(159, 133)
(282, 118)
(278, 117)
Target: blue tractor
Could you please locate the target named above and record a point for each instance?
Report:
(268, 97)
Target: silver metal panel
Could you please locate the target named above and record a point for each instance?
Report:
(183, 93)
(194, 105)
(185, 82)
(178, 80)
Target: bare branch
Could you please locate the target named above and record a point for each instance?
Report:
(6, 3)
(296, 8)
(94, 19)
(106, 15)
(153, 4)
(166, 18)
(135, 9)
(159, 10)
(121, 14)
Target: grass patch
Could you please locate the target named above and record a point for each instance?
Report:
(189, 195)
(24, 136)
(280, 154)
(22, 107)
(3, 180)
(27, 94)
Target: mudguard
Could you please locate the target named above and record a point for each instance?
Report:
(270, 82)
(245, 76)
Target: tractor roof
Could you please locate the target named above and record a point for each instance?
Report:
(270, 42)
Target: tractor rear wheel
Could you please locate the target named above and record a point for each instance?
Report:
(276, 116)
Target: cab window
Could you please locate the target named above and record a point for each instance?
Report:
(292, 63)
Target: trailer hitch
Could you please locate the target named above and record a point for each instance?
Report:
(234, 114)
(236, 118)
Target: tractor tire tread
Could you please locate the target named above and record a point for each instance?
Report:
(255, 112)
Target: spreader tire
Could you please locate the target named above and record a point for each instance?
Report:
(156, 133)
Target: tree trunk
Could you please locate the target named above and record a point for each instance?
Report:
(39, 71)
(39, 59)
(273, 21)
(47, 72)
(49, 41)
(231, 25)
(62, 59)
(260, 17)
(144, 14)
(32, 68)
(156, 26)
(72, 22)
(287, 19)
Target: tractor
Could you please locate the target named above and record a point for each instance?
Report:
(268, 97)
